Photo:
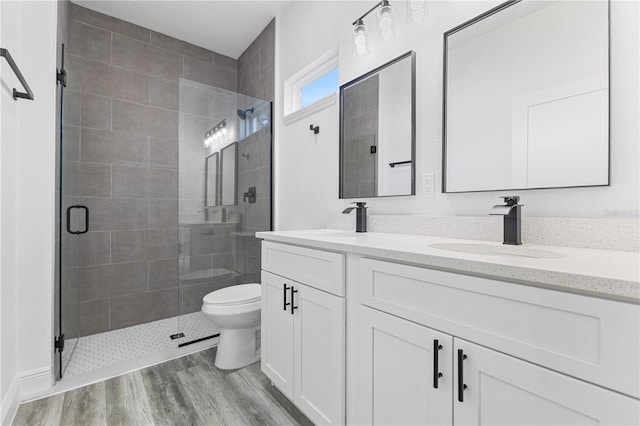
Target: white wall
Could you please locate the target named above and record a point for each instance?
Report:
(27, 200)
(36, 201)
(394, 128)
(10, 40)
(307, 166)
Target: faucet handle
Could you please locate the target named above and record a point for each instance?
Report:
(359, 204)
(511, 200)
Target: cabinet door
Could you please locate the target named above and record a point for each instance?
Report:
(502, 390)
(319, 355)
(277, 333)
(397, 377)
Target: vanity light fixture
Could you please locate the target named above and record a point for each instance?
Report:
(360, 39)
(384, 27)
(383, 17)
(216, 132)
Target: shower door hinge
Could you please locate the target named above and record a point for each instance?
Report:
(59, 343)
(61, 77)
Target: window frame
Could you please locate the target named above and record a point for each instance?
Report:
(294, 84)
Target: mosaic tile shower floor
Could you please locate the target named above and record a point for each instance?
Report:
(89, 353)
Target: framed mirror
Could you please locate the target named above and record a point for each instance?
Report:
(526, 97)
(377, 131)
(228, 175)
(211, 181)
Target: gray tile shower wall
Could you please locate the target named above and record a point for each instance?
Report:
(121, 160)
(256, 66)
(361, 124)
(254, 169)
(206, 261)
(256, 79)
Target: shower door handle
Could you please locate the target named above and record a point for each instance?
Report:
(86, 219)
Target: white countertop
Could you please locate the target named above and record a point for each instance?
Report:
(601, 273)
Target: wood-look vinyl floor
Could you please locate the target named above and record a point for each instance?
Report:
(185, 391)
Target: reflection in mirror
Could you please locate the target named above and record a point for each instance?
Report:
(228, 183)
(211, 180)
(377, 131)
(527, 97)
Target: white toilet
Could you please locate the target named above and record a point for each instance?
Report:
(236, 310)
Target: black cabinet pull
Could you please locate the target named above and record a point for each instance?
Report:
(436, 373)
(293, 307)
(284, 296)
(461, 385)
(86, 219)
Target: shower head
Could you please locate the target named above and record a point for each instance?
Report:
(243, 113)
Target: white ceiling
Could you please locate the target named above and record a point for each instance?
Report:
(227, 27)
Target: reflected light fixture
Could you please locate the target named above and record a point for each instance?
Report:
(216, 132)
(416, 10)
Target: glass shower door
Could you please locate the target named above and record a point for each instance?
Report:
(72, 217)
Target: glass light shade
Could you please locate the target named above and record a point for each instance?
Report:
(385, 23)
(416, 10)
(224, 130)
(360, 40)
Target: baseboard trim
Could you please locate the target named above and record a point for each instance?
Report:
(9, 404)
(34, 382)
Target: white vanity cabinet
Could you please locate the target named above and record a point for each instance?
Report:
(303, 328)
(351, 337)
(397, 357)
(504, 390)
(399, 364)
(410, 375)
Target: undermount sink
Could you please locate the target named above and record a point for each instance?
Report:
(498, 250)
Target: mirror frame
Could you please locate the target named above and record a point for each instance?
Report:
(479, 18)
(207, 169)
(410, 54)
(234, 146)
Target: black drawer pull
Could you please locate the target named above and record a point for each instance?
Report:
(284, 295)
(293, 307)
(436, 373)
(461, 385)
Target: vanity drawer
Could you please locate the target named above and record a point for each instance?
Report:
(321, 269)
(586, 337)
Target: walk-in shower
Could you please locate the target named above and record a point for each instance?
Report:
(150, 223)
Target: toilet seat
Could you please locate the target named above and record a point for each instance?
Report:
(234, 295)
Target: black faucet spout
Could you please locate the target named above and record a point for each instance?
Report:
(361, 215)
(512, 219)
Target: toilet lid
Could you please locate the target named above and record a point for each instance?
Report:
(234, 295)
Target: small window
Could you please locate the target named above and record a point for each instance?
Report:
(318, 89)
(312, 88)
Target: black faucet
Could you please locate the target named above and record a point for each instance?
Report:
(512, 218)
(250, 195)
(361, 215)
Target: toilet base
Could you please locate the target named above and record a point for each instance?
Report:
(238, 348)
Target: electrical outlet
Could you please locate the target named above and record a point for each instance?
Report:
(428, 184)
